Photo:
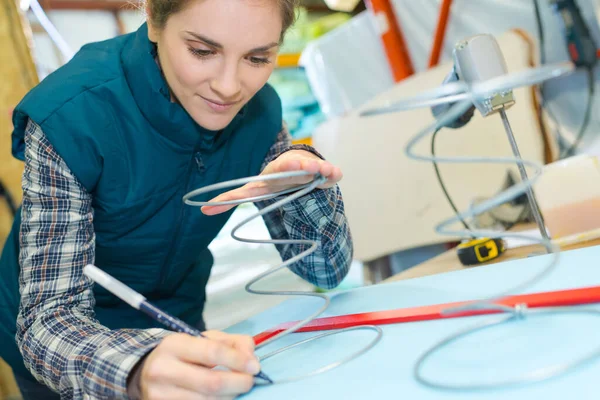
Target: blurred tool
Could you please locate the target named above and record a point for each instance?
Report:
(478, 251)
(479, 59)
(582, 48)
(583, 52)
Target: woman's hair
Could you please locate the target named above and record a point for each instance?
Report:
(161, 10)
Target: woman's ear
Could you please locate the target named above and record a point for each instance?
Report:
(153, 33)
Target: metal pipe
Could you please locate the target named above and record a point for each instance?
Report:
(530, 196)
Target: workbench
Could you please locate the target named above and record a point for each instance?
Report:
(448, 261)
(386, 371)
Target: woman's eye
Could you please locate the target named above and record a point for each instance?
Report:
(200, 53)
(259, 60)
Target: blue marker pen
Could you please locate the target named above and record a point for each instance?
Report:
(139, 302)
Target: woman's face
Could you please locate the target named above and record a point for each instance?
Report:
(216, 54)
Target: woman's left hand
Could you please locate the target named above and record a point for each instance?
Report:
(293, 160)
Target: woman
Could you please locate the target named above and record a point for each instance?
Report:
(111, 143)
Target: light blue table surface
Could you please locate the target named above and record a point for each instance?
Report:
(386, 371)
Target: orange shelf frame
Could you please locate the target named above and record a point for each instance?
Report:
(289, 60)
(393, 40)
(440, 33)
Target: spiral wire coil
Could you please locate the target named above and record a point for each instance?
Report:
(463, 96)
(294, 193)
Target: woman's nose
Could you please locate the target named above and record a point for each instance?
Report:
(227, 83)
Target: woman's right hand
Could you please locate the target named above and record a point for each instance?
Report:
(180, 367)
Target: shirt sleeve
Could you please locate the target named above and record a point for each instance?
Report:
(318, 216)
(62, 343)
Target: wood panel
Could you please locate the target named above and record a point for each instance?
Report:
(8, 387)
(18, 76)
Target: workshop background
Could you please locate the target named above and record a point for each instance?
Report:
(333, 63)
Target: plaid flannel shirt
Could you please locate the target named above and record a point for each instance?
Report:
(62, 343)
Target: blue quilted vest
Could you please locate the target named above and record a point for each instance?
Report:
(108, 114)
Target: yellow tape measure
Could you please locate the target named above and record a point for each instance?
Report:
(478, 251)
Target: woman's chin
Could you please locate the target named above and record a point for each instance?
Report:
(213, 122)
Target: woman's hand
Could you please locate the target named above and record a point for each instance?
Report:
(180, 367)
(293, 160)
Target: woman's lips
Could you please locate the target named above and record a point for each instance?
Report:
(218, 106)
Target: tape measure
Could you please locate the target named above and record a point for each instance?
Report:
(478, 251)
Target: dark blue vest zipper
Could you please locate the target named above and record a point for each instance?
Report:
(166, 270)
